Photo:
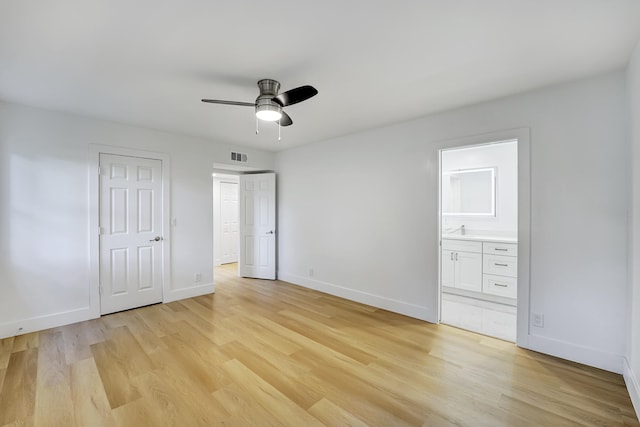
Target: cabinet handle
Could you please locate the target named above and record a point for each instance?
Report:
(501, 265)
(451, 256)
(500, 284)
(456, 256)
(500, 249)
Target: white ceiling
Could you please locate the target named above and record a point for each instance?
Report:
(149, 62)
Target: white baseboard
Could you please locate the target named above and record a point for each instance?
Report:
(39, 323)
(190, 292)
(633, 386)
(396, 306)
(577, 353)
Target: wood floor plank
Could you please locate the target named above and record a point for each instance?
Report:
(284, 375)
(54, 406)
(118, 359)
(6, 348)
(253, 327)
(284, 410)
(244, 410)
(333, 415)
(53, 369)
(76, 343)
(18, 394)
(179, 406)
(91, 406)
(26, 341)
(326, 336)
(261, 352)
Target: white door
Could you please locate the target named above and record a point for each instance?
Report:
(131, 241)
(258, 226)
(229, 221)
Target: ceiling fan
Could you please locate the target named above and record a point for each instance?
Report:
(269, 104)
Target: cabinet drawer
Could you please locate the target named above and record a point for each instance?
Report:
(501, 286)
(509, 249)
(462, 245)
(500, 265)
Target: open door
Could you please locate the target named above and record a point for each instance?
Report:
(258, 226)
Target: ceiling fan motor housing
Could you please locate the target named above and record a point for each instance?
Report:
(264, 102)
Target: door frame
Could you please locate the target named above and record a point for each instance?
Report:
(522, 135)
(94, 217)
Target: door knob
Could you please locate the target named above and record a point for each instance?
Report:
(269, 232)
(156, 239)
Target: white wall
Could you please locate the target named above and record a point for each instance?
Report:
(44, 220)
(632, 372)
(362, 211)
(503, 157)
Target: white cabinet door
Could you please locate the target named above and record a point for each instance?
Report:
(448, 268)
(468, 271)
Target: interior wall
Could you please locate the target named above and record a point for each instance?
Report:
(44, 220)
(632, 374)
(503, 157)
(358, 214)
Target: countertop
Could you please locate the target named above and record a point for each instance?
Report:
(480, 238)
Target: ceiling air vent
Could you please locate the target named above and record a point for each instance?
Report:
(238, 157)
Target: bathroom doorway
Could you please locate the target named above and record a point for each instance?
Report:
(479, 238)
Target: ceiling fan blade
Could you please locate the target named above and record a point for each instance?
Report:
(285, 120)
(296, 95)
(218, 101)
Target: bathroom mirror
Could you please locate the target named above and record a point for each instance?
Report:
(469, 192)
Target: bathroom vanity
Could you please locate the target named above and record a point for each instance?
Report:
(482, 267)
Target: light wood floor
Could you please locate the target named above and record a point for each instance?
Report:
(270, 353)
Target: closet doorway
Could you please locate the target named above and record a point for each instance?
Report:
(226, 238)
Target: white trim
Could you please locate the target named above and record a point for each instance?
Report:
(94, 217)
(577, 353)
(39, 323)
(633, 386)
(396, 306)
(190, 292)
(522, 135)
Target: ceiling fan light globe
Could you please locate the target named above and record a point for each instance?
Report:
(268, 113)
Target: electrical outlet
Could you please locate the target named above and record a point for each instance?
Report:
(537, 320)
(197, 277)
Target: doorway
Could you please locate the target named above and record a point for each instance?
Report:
(129, 201)
(245, 223)
(226, 238)
(479, 238)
